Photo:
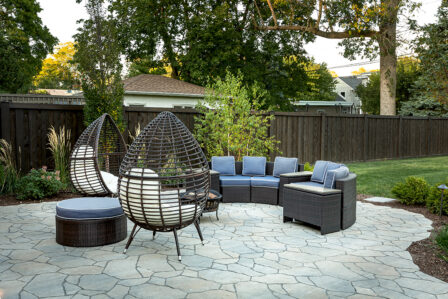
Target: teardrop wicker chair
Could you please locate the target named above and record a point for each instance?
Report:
(164, 179)
(96, 158)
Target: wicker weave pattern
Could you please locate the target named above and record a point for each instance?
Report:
(164, 177)
(99, 149)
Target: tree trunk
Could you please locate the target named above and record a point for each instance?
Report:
(388, 58)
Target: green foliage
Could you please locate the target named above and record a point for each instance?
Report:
(320, 84)
(408, 72)
(308, 167)
(9, 173)
(199, 41)
(442, 242)
(60, 146)
(424, 106)
(432, 50)
(24, 43)
(433, 201)
(232, 123)
(411, 192)
(38, 184)
(98, 60)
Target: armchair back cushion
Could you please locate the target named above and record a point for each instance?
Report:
(320, 169)
(335, 174)
(284, 165)
(254, 166)
(224, 165)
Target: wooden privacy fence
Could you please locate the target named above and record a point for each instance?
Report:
(309, 137)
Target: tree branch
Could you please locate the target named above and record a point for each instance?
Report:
(321, 33)
(272, 12)
(319, 16)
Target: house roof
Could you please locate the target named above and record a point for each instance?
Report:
(351, 81)
(146, 83)
(339, 98)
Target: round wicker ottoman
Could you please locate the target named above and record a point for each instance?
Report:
(90, 221)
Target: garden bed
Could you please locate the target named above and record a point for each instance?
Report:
(425, 253)
(11, 200)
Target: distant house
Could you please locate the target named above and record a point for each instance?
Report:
(346, 88)
(159, 91)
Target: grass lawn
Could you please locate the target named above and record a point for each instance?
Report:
(377, 178)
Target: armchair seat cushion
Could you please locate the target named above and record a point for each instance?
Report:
(235, 180)
(89, 208)
(312, 184)
(266, 181)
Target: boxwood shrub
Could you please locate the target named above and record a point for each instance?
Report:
(38, 184)
(413, 191)
(433, 200)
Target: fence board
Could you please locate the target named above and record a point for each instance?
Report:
(309, 137)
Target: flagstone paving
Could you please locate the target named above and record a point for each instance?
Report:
(248, 253)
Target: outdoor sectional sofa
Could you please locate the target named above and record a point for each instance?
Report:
(325, 198)
(253, 179)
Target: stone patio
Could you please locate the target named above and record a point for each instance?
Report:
(248, 253)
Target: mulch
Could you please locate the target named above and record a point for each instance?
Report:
(425, 253)
(11, 200)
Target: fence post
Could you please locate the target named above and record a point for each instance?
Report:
(400, 137)
(428, 133)
(366, 136)
(5, 121)
(323, 133)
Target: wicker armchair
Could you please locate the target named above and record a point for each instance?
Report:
(96, 158)
(164, 179)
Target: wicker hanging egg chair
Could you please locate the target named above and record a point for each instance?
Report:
(164, 179)
(96, 158)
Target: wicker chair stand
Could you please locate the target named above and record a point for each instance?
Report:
(161, 165)
(96, 158)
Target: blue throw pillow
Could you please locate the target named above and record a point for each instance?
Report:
(224, 165)
(320, 169)
(284, 165)
(335, 174)
(254, 166)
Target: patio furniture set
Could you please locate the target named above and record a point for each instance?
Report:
(163, 183)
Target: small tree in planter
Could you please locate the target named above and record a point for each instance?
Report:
(232, 123)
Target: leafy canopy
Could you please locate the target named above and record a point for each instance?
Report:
(199, 41)
(98, 59)
(232, 122)
(58, 70)
(24, 43)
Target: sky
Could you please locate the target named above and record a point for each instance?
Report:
(60, 17)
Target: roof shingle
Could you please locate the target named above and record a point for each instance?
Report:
(161, 84)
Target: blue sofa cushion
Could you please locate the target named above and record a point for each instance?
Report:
(224, 165)
(89, 208)
(284, 165)
(335, 174)
(320, 168)
(235, 180)
(254, 166)
(312, 184)
(265, 181)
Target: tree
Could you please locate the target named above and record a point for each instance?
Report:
(24, 43)
(432, 50)
(58, 70)
(364, 27)
(320, 85)
(98, 59)
(233, 123)
(201, 40)
(408, 72)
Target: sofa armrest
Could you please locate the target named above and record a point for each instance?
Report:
(214, 180)
(301, 167)
(293, 177)
(348, 187)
